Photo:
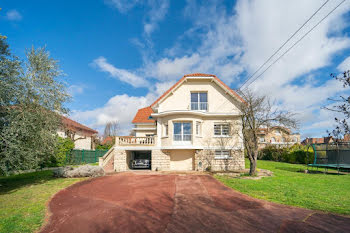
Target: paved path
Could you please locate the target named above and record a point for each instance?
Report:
(141, 202)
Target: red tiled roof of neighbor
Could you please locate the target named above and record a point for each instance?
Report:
(142, 115)
(107, 140)
(198, 75)
(73, 125)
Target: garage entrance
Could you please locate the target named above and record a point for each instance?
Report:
(182, 160)
(139, 159)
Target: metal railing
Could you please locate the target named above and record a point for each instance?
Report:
(199, 106)
(127, 140)
(182, 137)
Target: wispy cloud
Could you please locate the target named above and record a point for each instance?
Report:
(123, 6)
(155, 15)
(157, 9)
(121, 74)
(74, 90)
(13, 15)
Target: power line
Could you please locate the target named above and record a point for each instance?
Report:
(319, 22)
(284, 43)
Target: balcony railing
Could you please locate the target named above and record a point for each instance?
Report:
(182, 137)
(132, 141)
(199, 106)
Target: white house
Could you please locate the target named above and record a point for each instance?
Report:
(82, 135)
(195, 125)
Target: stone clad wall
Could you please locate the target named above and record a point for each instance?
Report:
(206, 158)
(160, 160)
(120, 160)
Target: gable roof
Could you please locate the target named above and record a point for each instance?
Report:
(75, 126)
(142, 115)
(198, 75)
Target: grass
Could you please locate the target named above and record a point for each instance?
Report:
(318, 191)
(23, 199)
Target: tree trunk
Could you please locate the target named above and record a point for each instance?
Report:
(252, 170)
(253, 160)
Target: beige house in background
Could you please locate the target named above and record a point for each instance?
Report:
(82, 135)
(195, 125)
(278, 136)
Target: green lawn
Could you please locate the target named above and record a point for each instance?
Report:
(23, 199)
(326, 192)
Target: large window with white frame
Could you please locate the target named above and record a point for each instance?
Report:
(222, 154)
(221, 129)
(199, 101)
(182, 131)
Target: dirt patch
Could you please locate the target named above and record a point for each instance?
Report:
(130, 202)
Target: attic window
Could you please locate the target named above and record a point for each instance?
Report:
(199, 101)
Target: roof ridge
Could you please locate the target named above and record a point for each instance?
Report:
(79, 124)
(199, 75)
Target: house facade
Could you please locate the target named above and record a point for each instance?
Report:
(277, 136)
(82, 136)
(195, 125)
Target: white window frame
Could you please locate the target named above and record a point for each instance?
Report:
(199, 101)
(222, 125)
(222, 154)
(166, 130)
(182, 131)
(198, 128)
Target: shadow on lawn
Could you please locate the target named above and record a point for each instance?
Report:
(11, 183)
(311, 171)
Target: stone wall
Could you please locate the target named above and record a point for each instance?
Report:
(160, 160)
(120, 164)
(206, 158)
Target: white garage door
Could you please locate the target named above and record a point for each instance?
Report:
(181, 160)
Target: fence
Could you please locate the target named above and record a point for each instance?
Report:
(84, 156)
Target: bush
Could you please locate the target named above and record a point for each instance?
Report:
(64, 145)
(82, 171)
(298, 154)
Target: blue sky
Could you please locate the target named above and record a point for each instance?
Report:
(120, 55)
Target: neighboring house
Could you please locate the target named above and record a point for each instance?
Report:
(309, 141)
(82, 135)
(277, 135)
(107, 140)
(195, 125)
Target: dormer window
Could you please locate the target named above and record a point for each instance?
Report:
(199, 101)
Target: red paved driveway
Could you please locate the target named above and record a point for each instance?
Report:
(131, 202)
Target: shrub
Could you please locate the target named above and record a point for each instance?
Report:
(82, 171)
(64, 145)
(295, 154)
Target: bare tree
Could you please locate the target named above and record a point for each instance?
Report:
(259, 112)
(111, 129)
(228, 142)
(341, 105)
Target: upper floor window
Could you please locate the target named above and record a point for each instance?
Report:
(221, 129)
(273, 139)
(182, 131)
(199, 101)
